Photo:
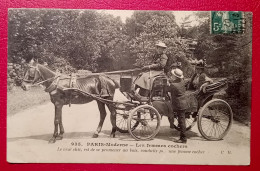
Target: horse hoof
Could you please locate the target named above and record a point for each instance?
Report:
(59, 137)
(52, 140)
(94, 135)
(112, 135)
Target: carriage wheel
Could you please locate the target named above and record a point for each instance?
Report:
(190, 122)
(215, 119)
(149, 121)
(121, 122)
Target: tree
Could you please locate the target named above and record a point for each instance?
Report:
(223, 50)
(145, 28)
(80, 39)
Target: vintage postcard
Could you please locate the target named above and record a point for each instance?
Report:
(115, 86)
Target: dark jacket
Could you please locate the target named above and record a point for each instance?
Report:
(177, 90)
(159, 62)
(202, 78)
(172, 63)
(156, 69)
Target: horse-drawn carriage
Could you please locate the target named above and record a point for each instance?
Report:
(140, 118)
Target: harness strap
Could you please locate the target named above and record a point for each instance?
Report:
(53, 85)
(72, 84)
(98, 97)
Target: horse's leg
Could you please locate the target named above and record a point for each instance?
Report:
(171, 121)
(60, 136)
(58, 112)
(113, 120)
(103, 113)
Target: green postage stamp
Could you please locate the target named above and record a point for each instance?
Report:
(227, 22)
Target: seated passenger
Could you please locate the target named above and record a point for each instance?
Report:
(199, 80)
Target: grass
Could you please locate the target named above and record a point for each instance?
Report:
(19, 100)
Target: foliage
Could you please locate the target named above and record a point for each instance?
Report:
(228, 55)
(70, 40)
(79, 37)
(145, 28)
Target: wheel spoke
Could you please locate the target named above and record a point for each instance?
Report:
(207, 123)
(215, 119)
(121, 123)
(119, 119)
(145, 121)
(215, 130)
(220, 130)
(212, 129)
(124, 124)
(225, 113)
(207, 128)
(187, 121)
(221, 125)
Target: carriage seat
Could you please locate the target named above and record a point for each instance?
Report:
(216, 86)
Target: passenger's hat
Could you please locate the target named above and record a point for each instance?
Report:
(177, 73)
(161, 44)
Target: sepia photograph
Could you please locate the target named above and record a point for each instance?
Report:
(129, 86)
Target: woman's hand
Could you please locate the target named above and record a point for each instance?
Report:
(203, 87)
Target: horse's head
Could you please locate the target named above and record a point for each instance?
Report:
(32, 75)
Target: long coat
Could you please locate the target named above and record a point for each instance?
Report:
(157, 68)
(177, 89)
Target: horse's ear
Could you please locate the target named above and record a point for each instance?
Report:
(31, 61)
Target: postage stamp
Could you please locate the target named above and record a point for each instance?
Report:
(227, 22)
(116, 86)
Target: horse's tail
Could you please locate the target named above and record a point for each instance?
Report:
(116, 84)
(108, 85)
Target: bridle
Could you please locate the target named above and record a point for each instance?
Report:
(35, 72)
(41, 77)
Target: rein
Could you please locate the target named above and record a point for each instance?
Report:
(38, 83)
(114, 72)
(99, 98)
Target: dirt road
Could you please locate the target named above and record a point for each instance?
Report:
(29, 132)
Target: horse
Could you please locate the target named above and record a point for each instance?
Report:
(56, 84)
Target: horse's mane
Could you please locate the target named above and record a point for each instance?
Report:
(46, 68)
